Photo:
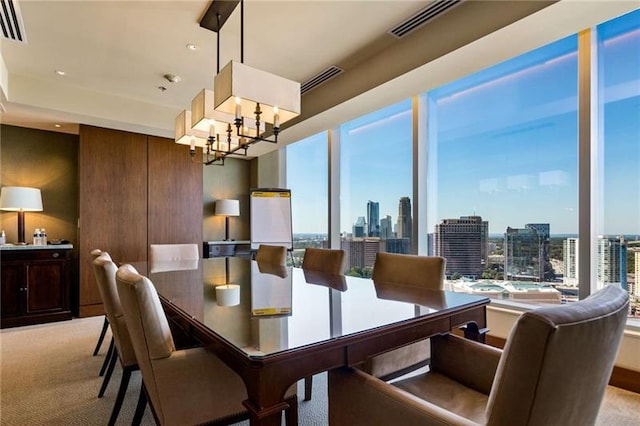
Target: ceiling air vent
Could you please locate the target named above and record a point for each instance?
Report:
(319, 79)
(432, 11)
(11, 21)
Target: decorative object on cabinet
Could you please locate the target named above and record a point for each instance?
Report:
(35, 284)
(20, 199)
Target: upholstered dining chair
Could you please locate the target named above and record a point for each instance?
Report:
(329, 261)
(553, 370)
(189, 386)
(416, 272)
(105, 324)
(105, 272)
(173, 252)
(276, 255)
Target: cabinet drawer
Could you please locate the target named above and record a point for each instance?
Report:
(35, 255)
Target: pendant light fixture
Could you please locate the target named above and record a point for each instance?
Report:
(239, 89)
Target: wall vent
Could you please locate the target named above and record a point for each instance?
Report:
(319, 79)
(11, 21)
(432, 11)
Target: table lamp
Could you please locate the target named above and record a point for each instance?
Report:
(227, 208)
(20, 199)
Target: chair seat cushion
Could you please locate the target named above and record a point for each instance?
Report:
(195, 386)
(447, 394)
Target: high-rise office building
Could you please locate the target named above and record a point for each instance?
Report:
(359, 228)
(398, 245)
(636, 258)
(386, 227)
(373, 219)
(463, 242)
(570, 261)
(361, 252)
(612, 261)
(526, 253)
(405, 225)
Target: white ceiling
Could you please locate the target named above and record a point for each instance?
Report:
(115, 54)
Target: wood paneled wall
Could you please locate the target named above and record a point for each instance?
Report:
(135, 190)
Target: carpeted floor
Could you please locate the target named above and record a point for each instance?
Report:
(48, 377)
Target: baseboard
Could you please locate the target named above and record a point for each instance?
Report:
(91, 310)
(622, 378)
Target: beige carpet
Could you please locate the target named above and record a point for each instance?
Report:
(48, 377)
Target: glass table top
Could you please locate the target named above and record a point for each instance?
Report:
(263, 310)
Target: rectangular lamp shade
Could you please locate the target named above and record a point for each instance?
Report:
(203, 114)
(251, 86)
(227, 208)
(20, 198)
(184, 134)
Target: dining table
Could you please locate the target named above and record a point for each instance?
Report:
(275, 325)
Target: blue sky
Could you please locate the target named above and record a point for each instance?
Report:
(506, 146)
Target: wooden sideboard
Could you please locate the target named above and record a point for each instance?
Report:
(35, 284)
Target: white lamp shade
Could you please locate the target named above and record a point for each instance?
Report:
(203, 114)
(252, 86)
(228, 295)
(227, 208)
(184, 134)
(20, 198)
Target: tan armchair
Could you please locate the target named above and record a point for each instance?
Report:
(105, 273)
(394, 271)
(184, 387)
(173, 257)
(553, 370)
(328, 261)
(105, 325)
(276, 255)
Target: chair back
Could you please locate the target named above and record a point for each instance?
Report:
(557, 362)
(105, 273)
(148, 326)
(409, 270)
(276, 255)
(330, 261)
(173, 252)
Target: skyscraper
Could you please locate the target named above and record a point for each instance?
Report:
(636, 257)
(612, 261)
(570, 260)
(405, 224)
(386, 227)
(373, 219)
(463, 242)
(359, 227)
(526, 253)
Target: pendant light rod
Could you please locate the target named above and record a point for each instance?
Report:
(242, 31)
(218, 45)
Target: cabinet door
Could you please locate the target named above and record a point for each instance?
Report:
(46, 289)
(113, 204)
(13, 292)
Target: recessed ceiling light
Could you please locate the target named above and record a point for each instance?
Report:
(57, 125)
(192, 46)
(60, 72)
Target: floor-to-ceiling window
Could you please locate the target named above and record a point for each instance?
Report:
(505, 147)
(376, 186)
(503, 174)
(618, 147)
(307, 178)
